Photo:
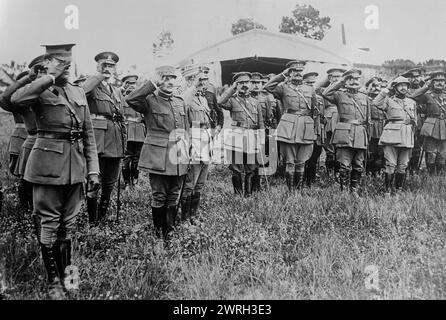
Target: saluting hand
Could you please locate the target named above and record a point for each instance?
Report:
(93, 183)
(57, 68)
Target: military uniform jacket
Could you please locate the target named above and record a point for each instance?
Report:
(19, 133)
(435, 110)
(246, 115)
(199, 116)
(58, 110)
(354, 114)
(136, 129)
(107, 115)
(264, 103)
(296, 124)
(217, 117)
(330, 112)
(378, 118)
(166, 147)
(401, 118)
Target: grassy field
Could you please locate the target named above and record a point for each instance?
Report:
(314, 244)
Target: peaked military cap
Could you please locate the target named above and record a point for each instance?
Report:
(438, 75)
(411, 73)
(190, 70)
(256, 76)
(130, 76)
(372, 79)
(352, 72)
(107, 57)
(309, 75)
(166, 71)
(332, 70)
(298, 65)
(203, 76)
(59, 50)
(37, 60)
(241, 74)
(400, 80)
(204, 69)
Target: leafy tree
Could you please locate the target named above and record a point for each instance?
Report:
(307, 22)
(398, 65)
(163, 44)
(243, 25)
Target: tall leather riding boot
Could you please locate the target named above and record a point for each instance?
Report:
(185, 208)
(256, 181)
(237, 183)
(344, 176)
(432, 169)
(126, 171)
(355, 180)
(92, 209)
(159, 220)
(169, 226)
(55, 289)
(298, 180)
(249, 177)
(63, 257)
(388, 182)
(194, 205)
(103, 208)
(289, 178)
(399, 181)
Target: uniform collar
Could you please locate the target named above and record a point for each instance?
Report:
(165, 95)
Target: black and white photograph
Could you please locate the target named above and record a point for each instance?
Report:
(221, 156)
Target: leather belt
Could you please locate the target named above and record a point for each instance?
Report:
(72, 136)
(353, 121)
(115, 117)
(243, 125)
(437, 116)
(298, 112)
(20, 126)
(32, 132)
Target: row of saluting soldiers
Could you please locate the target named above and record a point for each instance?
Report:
(75, 136)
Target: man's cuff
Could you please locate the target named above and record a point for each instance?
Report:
(153, 83)
(53, 78)
(91, 173)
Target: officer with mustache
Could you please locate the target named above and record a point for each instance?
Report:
(433, 96)
(106, 104)
(398, 134)
(350, 133)
(295, 132)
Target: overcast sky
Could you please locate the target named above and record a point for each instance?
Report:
(408, 29)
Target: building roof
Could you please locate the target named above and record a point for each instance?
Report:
(262, 43)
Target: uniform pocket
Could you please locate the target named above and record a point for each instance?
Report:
(392, 134)
(285, 130)
(309, 130)
(154, 153)
(47, 158)
(100, 124)
(342, 133)
(428, 127)
(442, 129)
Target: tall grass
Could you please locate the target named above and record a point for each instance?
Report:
(312, 244)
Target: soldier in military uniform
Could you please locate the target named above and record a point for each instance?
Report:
(331, 116)
(264, 101)
(350, 133)
(398, 134)
(199, 116)
(376, 152)
(309, 79)
(136, 133)
(19, 134)
(63, 155)
(165, 154)
(244, 140)
(106, 104)
(295, 132)
(416, 82)
(433, 97)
